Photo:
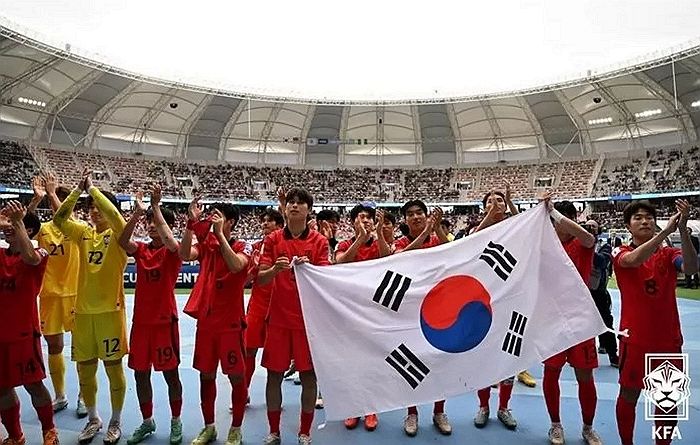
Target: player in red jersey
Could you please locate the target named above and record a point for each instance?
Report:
(646, 273)
(362, 247)
(286, 335)
(217, 304)
(155, 340)
(423, 232)
(259, 302)
(21, 363)
(580, 246)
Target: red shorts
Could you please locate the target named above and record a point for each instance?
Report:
(255, 331)
(284, 345)
(212, 347)
(155, 345)
(580, 356)
(21, 362)
(633, 360)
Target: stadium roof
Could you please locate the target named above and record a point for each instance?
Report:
(50, 93)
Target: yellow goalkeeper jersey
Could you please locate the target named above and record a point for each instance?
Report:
(61, 277)
(102, 261)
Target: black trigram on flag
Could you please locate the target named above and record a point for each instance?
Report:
(513, 341)
(407, 365)
(500, 260)
(391, 291)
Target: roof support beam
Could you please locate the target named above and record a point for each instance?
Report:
(151, 115)
(243, 105)
(578, 121)
(419, 134)
(35, 71)
(188, 125)
(536, 127)
(305, 133)
(104, 113)
(456, 131)
(344, 118)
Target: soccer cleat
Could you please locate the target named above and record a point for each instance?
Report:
(80, 409)
(527, 379)
(11, 441)
(410, 425)
(371, 422)
(90, 431)
(351, 422)
(114, 433)
(144, 430)
(601, 350)
(59, 404)
(51, 437)
(175, 431)
(208, 434)
(507, 419)
(442, 424)
(591, 436)
(303, 439)
(319, 402)
(614, 360)
(297, 380)
(272, 439)
(234, 436)
(556, 434)
(481, 418)
(291, 371)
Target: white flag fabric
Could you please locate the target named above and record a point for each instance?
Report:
(430, 324)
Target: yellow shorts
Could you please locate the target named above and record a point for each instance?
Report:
(57, 314)
(100, 336)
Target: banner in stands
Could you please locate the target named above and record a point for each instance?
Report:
(185, 280)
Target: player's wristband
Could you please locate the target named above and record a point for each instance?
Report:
(556, 215)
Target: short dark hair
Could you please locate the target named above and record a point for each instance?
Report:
(486, 196)
(109, 195)
(229, 210)
(273, 215)
(634, 206)
(403, 228)
(327, 215)
(390, 217)
(168, 216)
(31, 224)
(62, 192)
(301, 195)
(566, 208)
(413, 203)
(355, 212)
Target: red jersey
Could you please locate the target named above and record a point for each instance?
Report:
(156, 274)
(217, 298)
(367, 251)
(581, 256)
(404, 241)
(285, 307)
(20, 284)
(648, 294)
(260, 295)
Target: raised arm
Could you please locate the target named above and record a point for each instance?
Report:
(384, 247)
(125, 241)
(188, 252)
(361, 237)
(509, 202)
(439, 230)
(15, 212)
(690, 256)
(571, 227)
(235, 262)
(39, 194)
(166, 234)
(50, 184)
(62, 217)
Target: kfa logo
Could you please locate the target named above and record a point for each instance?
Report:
(666, 392)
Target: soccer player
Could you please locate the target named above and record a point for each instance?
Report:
(259, 302)
(328, 221)
(423, 232)
(579, 245)
(58, 292)
(362, 247)
(155, 340)
(495, 204)
(646, 272)
(21, 363)
(286, 336)
(100, 315)
(217, 304)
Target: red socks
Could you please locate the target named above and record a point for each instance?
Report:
(207, 394)
(146, 410)
(176, 407)
(273, 418)
(505, 389)
(625, 412)
(305, 423)
(550, 388)
(413, 410)
(484, 396)
(239, 396)
(588, 399)
(10, 418)
(45, 414)
(249, 369)
(439, 407)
